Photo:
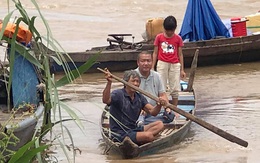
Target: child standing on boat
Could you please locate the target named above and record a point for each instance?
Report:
(168, 51)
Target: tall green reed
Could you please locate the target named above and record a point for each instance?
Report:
(40, 58)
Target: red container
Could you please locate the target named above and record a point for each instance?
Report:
(238, 26)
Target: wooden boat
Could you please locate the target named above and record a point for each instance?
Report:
(120, 55)
(25, 96)
(217, 47)
(173, 132)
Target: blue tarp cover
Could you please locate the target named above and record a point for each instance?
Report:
(24, 82)
(201, 22)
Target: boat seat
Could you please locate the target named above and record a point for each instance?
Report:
(186, 98)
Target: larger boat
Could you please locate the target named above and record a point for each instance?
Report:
(231, 41)
(120, 55)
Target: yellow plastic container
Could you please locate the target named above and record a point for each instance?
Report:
(253, 23)
(154, 26)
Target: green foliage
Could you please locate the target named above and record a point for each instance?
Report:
(6, 140)
(27, 152)
(39, 56)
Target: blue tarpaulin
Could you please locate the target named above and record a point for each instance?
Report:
(201, 22)
(24, 82)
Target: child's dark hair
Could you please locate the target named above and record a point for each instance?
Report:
(170, 23)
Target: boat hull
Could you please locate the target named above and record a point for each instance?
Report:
(25, 129)
(212, 52)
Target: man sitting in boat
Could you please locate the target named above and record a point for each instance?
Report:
(151, 82)
(125, 107)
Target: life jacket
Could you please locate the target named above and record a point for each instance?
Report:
(23, 35)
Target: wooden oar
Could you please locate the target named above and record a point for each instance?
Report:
(193, 118)
(192, 71)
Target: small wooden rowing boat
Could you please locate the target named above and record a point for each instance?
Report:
(173, 132)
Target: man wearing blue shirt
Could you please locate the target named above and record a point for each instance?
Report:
(125, 107)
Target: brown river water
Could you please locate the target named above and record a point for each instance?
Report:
(228, 96)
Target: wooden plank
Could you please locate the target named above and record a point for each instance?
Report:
(164, 132)
(169, 131)
(186, 98)
(182, 93)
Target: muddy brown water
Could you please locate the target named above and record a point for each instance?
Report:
(227, 96)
